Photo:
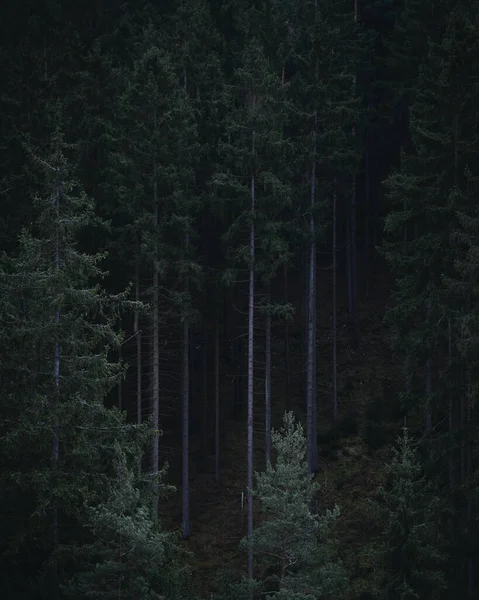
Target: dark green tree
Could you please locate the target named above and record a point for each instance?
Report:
(292, 540)
(59, 441)
(409, 510)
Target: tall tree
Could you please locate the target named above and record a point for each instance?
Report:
(57, 437)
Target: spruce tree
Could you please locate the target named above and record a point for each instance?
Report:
(411, 539)
(58, 439)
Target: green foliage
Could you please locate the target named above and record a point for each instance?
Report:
(127, 553)
(408, 511)
(65, 457)
(292, 540)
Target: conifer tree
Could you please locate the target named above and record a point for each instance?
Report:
(58, 440)
(412, 544)
(292, 540)
(127, 554)
(251, 182)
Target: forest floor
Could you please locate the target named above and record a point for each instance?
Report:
(351, 454)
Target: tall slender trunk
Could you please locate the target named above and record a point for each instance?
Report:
(450, 410)
(287, 362)
(428, 377)
(335, 316)
(186, 414)
(469, 516)
(304, 276)
(120, 383)
(310, 398)
(156, 352)
(250, 381)
(217, 398)
(353, 287)
(56, 362)
(267, 383)
(137, 332)
(367, 226)
(206, 407)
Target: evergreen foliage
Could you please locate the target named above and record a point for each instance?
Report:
(293, 542)
(412, 543)
(59, 442)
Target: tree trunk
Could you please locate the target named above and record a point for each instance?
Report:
(310, 398)
(250, 383)
(335, 325)
(367, 226)
(450, 411)
(287, 362)
(56, 365)
(428, 378)
(156, 356)
(186, 418)
(353, 287)
(120, 384)
(217, 398)
(137, 332)
(267, 384)
(206, 407)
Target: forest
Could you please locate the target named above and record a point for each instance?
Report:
(239, 299)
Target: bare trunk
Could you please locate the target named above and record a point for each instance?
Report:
(303, 382)
(450, 410)
(367, 226)
(310, 398)
(217, 399)
(353, 303)
(137, 332)
(156, 355)
(120, 384)
(267, 385)
(250, 382)
(56, 364)
(335, 316)
(428, 379)
(469, 515)
(186, 417)
(287, 362)
(206, 407)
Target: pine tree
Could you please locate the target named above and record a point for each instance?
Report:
(412, 544)
(292, 540)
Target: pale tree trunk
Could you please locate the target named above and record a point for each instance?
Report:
(368, 260)
(206, 406)
(156, 354)
(469, 516)
(310, 388)
(267, 384)
(287, 362)
(56, 363)
(335, 325)
(353, 286)
(217, 398)
(137, 332)
(250, 381)
(428, 377)
(120, 383)
(186, 415)
(303, 382)
(450, 411)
